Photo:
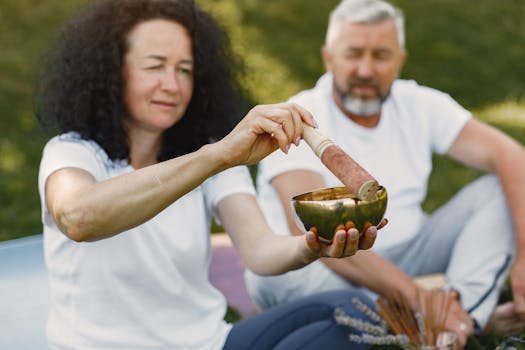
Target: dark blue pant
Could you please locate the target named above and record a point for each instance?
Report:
(305, 324)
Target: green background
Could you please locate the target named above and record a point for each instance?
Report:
(473, 50)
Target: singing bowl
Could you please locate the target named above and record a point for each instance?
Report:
(327, 208)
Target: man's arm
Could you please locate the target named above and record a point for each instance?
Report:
(484, 147)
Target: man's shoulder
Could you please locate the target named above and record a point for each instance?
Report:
(409, 87)
(317, 98)
(406, 86)
(321, 88)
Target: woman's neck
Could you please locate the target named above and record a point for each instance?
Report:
(144, 148)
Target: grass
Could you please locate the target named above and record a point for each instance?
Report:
(27, 28)
(474, 52)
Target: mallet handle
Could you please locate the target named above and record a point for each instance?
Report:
(346, 169)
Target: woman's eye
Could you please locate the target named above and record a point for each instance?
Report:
(186, 71)
(153, 67)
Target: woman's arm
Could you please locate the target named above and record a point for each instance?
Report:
(367, 268)
(268, 254)
(86, 210)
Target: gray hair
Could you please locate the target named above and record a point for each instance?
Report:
(364, 11)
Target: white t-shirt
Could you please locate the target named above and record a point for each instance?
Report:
(416, 121)
(146, 288)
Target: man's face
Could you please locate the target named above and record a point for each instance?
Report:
(365, 59)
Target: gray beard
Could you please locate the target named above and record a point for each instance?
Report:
(360, 107)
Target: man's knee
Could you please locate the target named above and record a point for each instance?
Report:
(489, 188)
(489, 198)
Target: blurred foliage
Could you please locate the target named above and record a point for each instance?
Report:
(27, 27)
(474, 51)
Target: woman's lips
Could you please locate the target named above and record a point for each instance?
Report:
(165, 104)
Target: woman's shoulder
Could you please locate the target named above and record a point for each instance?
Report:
(71, 137)
(74, 143)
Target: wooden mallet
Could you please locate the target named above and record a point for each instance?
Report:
(346, 169)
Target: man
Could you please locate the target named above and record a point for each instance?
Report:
(392, 127)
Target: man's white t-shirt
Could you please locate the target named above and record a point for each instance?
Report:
(146, 288)
(416, 121)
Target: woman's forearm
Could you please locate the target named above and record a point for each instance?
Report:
(86, 210)
(264, 252)
(279, 254)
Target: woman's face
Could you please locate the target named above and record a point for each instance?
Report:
(158, 75)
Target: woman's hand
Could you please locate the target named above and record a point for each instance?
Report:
(346, 242)
(264, 129)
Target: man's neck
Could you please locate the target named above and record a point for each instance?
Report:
(369, 121)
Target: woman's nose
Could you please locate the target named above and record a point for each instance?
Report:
(169, 81)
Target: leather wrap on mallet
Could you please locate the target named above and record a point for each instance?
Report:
(346, 169)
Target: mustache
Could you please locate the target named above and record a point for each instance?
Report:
(366, 82)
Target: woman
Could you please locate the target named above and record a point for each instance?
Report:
(136, 91)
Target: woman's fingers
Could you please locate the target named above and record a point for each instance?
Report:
(306, 116)
(352, 242)
(277, 132)
(368, 238)
(382, 224)
(283, 122)
(262, 130)
(298, 127)
(266, 119)
(337, 248)
(344, 243)
(312, 240)
(347, 240)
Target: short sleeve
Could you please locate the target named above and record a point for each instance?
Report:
(298, 158)
(448, 119)
(228, 182)
(66, 151)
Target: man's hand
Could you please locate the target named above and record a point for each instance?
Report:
(505, 321)
(517, 279)
(459, 322)
(509, 318)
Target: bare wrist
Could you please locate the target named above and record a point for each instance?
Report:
(217, 158)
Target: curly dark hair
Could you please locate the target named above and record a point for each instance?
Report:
(81, 88)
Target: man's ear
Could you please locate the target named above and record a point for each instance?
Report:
(401, 62)
(404, 55)
(327, 58)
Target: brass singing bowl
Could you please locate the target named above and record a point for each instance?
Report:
(325, 209)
